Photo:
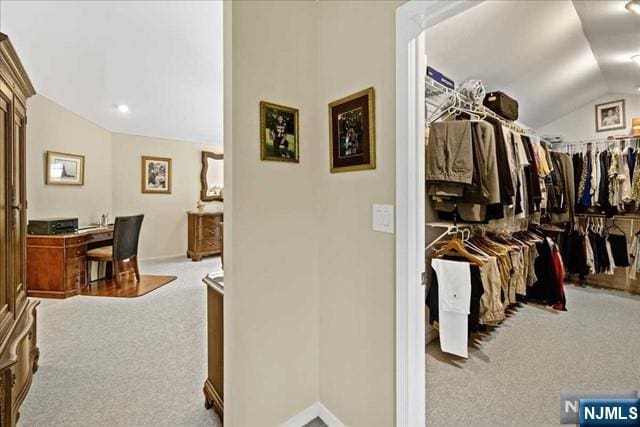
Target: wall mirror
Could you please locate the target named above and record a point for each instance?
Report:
(211, 177)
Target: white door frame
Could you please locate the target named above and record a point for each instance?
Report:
(412, 19)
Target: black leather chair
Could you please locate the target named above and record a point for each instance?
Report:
(126, 233)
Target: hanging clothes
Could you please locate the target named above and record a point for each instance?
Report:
(549, 288)
(619, 249)
(454, 303)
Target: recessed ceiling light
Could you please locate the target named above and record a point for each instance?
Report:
(636, 59)
(633, 6)
(123, 108)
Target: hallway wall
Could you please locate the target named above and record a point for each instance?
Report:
(271, 284)
(310, 300)
(357, 274)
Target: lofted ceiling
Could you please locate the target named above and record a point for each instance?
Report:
(614, 35)
(552, 56)
(161, 59)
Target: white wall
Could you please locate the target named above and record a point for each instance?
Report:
(51, 127)
(164, 230)
(357, 265)
(112, 177)
(309, 305)
(271, 286)
(581, 123)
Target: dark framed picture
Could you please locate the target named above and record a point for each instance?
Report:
(279, 133)
(156, 175)
(610, 116)
(352, 139)
(64, 169)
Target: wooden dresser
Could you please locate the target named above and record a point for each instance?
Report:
(204, 234)
(56, 265)
(214, 384)
(18, 349)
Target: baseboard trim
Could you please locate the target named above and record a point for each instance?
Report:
(314, 411)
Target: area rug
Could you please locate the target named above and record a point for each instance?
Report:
(129, 287)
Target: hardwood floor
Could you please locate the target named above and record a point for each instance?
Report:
(129, 287)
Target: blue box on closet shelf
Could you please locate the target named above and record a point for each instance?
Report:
(440, 78)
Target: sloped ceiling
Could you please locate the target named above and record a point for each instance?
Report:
(538, 53)
(614, 35)
(162, 59)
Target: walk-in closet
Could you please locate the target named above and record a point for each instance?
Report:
(532, 208)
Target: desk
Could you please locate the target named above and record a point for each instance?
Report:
(57, 265)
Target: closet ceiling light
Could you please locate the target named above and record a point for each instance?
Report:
(636, 59)
(123, 108)
(633, 6)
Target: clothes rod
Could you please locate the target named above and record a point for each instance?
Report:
(594, 141)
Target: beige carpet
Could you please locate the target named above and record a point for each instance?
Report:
(514, 375)
(125, 361)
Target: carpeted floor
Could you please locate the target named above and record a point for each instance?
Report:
(125, 361)
(514, 375)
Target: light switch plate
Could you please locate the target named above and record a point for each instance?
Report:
(383, 218)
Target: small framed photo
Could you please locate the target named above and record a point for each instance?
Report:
(156, 175)
(64, 169)
(279, 133)
(610, 116)
(352, 139)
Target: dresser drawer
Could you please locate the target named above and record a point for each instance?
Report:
(209, 221)
(75, 252)
(100, 237)
(75, 266)
(74, 282)
(206, 245)
(208, 233)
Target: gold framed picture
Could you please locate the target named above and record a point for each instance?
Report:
(64, 169)
(279, 133)
(610, 116)
(352, 139)
(156, 175)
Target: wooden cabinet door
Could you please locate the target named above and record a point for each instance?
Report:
(18, 235)
(6, 315)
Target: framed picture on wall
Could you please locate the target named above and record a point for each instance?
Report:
(610, 116)
(64, 169)
(279, 133)
(156, 175)
(352, 139)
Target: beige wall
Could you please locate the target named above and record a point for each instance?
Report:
(309, 307)
(272, 285)
(581, 123)
(164, 230)
(357, 265)
(112, 176)
(51, 127)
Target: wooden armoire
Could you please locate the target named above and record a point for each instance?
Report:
(18, 350)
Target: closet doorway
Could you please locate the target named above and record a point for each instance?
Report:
(589, 98)
(412, 19)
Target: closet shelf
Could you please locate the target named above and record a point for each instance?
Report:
(451, 225)
(434, 88)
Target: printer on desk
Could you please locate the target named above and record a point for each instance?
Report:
(49, 226)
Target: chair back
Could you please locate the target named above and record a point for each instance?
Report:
(126, 233)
